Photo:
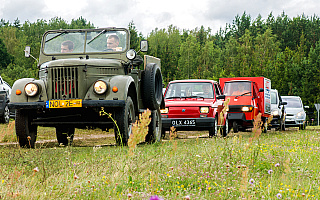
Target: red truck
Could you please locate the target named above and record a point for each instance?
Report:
(249, 96)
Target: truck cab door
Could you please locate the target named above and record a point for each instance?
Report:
(256, 97)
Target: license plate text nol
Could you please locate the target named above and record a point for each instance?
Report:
(70, 103)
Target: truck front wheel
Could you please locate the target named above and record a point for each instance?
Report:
(65, 135)
(26, 133)
(225, 130)
(155, 127)
(235, 127)
(124, 120)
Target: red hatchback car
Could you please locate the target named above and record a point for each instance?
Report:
(194, 105)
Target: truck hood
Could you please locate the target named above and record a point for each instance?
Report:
(240, 100)
(83, 62)
(189, 102)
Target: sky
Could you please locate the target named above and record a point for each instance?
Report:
(147, 15)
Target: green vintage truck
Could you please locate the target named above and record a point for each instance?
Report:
(88, 78)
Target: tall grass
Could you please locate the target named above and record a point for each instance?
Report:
(274, 165)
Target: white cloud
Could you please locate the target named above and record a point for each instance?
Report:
(150, 14)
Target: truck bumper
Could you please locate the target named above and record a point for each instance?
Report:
(85, 104)
(237, 116)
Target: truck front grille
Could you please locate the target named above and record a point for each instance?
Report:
(64, 82)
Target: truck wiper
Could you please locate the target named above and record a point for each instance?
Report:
(242, 94)
(56, 36)
(96, 36)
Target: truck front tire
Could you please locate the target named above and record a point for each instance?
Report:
(155, 127)
(65, 135)
(26, 133)
(124, 120)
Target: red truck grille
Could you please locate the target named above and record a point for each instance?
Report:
(64, 82)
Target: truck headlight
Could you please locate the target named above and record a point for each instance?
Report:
(100, 87)
(31, 89)
(246, 109)
(275, 112)
(131, 54)
(164, 111)
(204, 109)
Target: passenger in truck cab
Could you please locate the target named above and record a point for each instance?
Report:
(67, 46)
(242, 89)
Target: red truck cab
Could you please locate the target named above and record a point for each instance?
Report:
(248, 96)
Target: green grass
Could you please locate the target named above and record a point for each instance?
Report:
(277, 164)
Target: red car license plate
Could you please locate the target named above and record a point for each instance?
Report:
(183, 122)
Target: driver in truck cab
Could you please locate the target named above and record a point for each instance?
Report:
(241, 90)
(67, 46)
(113, 43)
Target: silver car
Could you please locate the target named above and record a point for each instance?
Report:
(295, 113)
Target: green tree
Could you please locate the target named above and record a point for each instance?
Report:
(188, 61)
(5, 57)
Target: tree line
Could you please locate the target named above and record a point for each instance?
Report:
(285, 50)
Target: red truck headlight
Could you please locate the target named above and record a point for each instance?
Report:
(246, 109)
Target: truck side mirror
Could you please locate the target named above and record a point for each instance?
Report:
(306, 106)
(144, 45)
(261, 90)
(27, 52)
(284, 103)
(221, 97)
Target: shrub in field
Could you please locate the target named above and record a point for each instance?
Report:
(7, 133)
(139, 130)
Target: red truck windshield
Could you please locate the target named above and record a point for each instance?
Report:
(236, 88)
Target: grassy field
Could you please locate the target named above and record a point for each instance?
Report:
(275, 165)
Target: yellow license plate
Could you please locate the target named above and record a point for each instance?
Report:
(70, 103)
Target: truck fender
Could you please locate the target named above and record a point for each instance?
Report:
(121, 82)
(20, 84)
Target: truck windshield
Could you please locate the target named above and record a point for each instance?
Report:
(274, 98)
(237, 88)
(191, 90)
(86, 41)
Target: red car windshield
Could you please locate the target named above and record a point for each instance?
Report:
(191, 89)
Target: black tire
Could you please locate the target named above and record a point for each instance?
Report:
(225, 130)
(163, 133)
(6, 115)
(302, 127)
(213, 131)
(282, 126)
(152, 86)
(155, 127)
(26, 133)
(124, 119)
(235, 127)
(65, 135)
(264, 126)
